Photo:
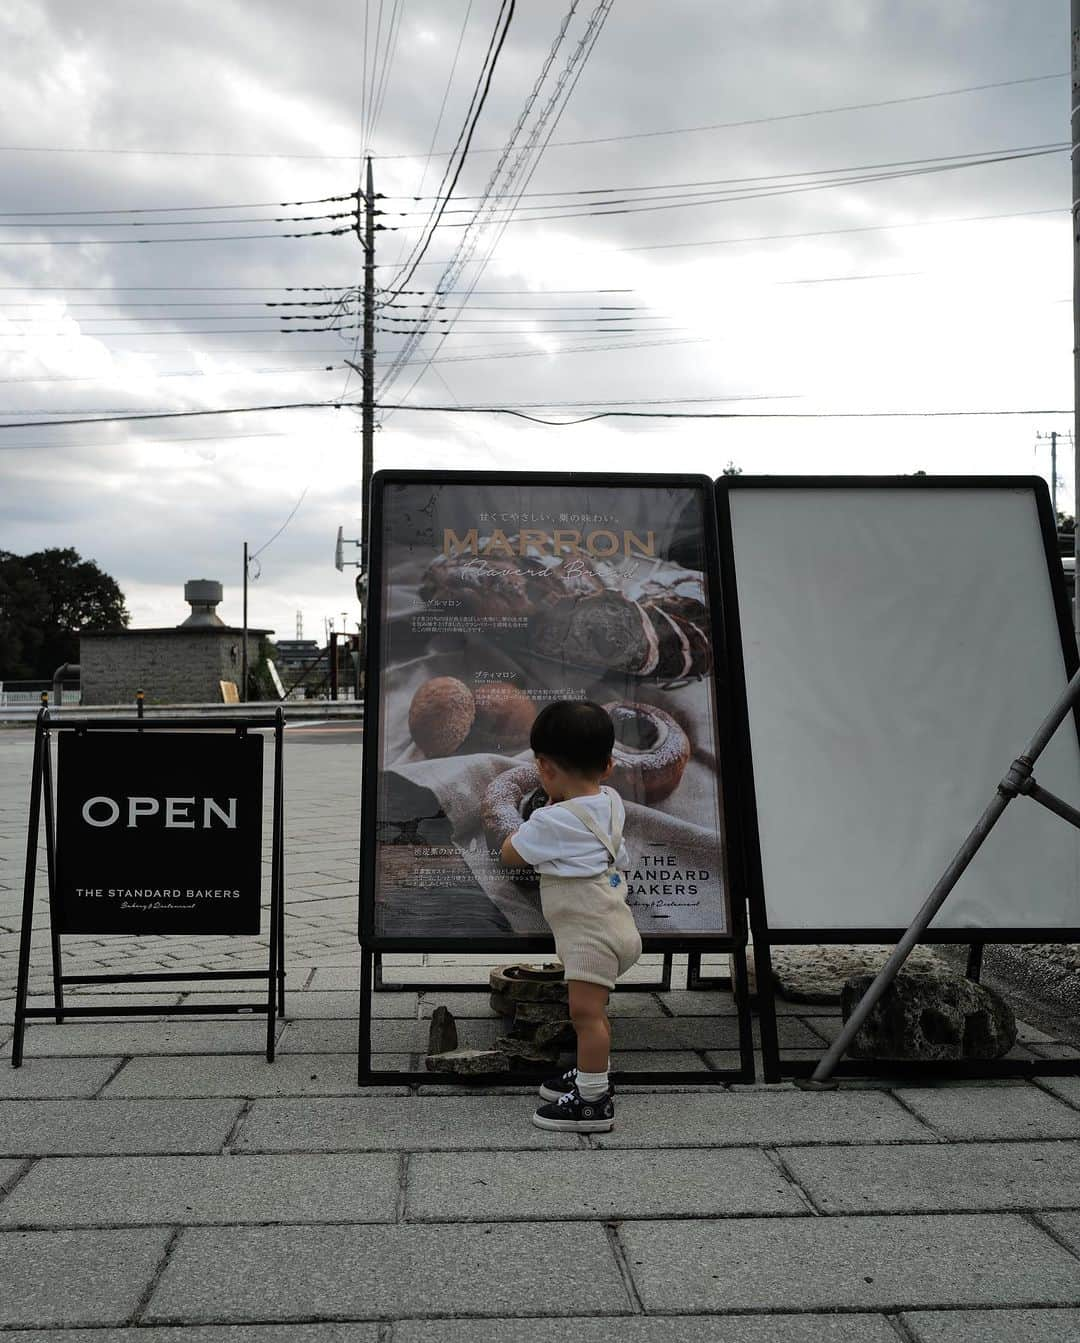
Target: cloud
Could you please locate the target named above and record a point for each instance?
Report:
(913, 317)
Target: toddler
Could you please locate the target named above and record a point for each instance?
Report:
(575, 843)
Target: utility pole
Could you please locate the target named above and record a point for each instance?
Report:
(368, 367)
(366, 234)
(244, 650)
(1053, 437)
(1074, 105)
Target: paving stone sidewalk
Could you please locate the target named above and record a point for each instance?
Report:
(161, 1183)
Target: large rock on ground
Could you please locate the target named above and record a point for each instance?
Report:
(817, 974)
(931, 1016)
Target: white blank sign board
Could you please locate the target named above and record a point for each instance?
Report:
(901, 647)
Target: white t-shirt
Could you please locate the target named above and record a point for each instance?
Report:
(554, 841)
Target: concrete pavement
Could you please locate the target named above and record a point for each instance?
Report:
(160, 1183)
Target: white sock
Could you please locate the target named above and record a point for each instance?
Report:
(591, 1086)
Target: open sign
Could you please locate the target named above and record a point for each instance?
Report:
(159, 832)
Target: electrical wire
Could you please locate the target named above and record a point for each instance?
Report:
(143, 242)
(705, 198)
(464, 140)
(178, 209)
(787, 116)
(184, 223)
(729, 414)
(545, 125)
(509, 410)
(556, 144)
(388, 61)
(508, 176)
(818, 233)
(774, 177)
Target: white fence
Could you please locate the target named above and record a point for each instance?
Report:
(11, 698)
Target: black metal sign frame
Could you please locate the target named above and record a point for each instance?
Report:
(373, 944)
(42, 791)
(775, 1066)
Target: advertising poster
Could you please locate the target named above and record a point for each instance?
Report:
(159, 832)
(494, 596)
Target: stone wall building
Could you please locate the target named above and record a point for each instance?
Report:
(181, 664)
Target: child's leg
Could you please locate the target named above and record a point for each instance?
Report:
(588, 1012)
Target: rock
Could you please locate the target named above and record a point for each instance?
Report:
(529, 983)
(468, 1062)
(442, 1035)
(817, 974)
(940, 1015)
(539, 1014)
(525, 1053)
(557, 1035)
(504, 1006)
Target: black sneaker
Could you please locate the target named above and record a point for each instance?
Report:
(572, 1114)
(555, 1087)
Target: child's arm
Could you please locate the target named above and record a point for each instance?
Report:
(509, 855)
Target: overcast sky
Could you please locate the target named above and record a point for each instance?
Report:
(894, 294)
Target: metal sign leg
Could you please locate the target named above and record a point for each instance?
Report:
(364, 1040)
(26, 928)
(50, 859)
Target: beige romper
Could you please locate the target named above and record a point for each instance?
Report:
(595, 935)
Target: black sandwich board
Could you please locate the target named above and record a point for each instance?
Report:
(892, 643)
(489, 595)
(156, 829)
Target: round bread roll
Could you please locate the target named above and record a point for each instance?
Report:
(504, 715)
(651, 751)
(511, 797)
(441, 715)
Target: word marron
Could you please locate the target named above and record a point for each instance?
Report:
(598, 544)
(177, 814)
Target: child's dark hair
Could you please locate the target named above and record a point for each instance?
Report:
(576, 734)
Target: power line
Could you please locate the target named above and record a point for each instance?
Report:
(492, 352)
(178, 209)
(532, 150)
(270, 288)
(772, 177)
(509, 410)
(728, 415)
(181, 223)
(186, 373)
(555, 144)
(191, 303)
(383, 80)
(595, 209)
(143, 242)
(464, 140)
(820, 233)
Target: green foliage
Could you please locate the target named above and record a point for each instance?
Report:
(45, 599)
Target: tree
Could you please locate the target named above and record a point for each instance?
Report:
(731, 470)
(45, 599)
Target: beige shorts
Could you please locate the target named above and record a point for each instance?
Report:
(596, 939)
